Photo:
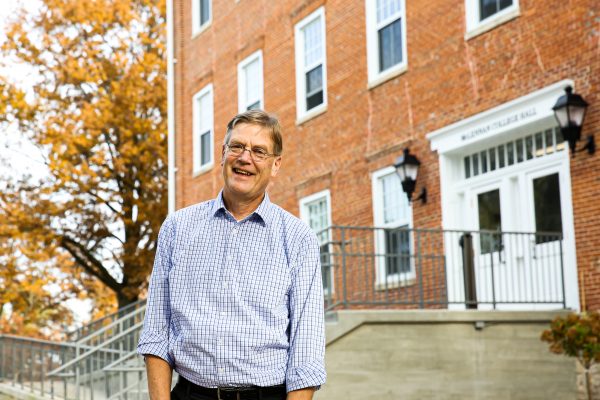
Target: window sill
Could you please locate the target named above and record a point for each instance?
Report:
(202, 170)
(395, 282)
(387, 75)
(198, 31)
(311, 114)
(492, 23)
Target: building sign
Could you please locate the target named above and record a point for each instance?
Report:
(501, 123)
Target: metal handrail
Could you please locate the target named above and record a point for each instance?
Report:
(112, 324)
(95, 349)
(77, 335)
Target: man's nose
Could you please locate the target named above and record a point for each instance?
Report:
(245, 156)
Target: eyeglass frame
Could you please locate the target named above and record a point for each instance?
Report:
(252, 153)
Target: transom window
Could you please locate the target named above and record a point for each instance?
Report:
(311, 87)
(517, 151)
(484, 15)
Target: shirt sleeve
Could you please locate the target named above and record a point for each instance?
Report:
(306, 367)
(154, 338)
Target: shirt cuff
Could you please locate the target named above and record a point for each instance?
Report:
(310, 374)
(156, 347)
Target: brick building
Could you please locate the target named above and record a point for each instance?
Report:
(467, 85)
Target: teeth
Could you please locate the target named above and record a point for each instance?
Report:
(239, 171)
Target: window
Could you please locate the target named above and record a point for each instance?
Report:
(201, 15)
(315, 210)
(393, 218)
(483, 15)
(250, 83)
(203, 130)
(311, 76)
(386, 39)
(540, 144)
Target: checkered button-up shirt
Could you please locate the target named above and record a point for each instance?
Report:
(237, 303)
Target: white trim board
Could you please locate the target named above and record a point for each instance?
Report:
(531, 108)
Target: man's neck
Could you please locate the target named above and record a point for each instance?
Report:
(241, 208)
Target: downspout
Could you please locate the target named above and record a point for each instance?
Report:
(171, 167)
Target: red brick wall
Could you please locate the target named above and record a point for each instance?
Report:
(448, 78)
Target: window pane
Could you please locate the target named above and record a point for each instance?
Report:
(529, 147)
(314, 87)
(467, 167)
(204, 11)
(252, 78)
(519, 150)
(492, 159)
(539, 144)
(397, 249)
(490, 219)
(312, 43)
(560, 140)
(510, 154)
(393, 207)
(487, 8)
(387, 9)
(546, 197)
(253, 106)
(484, 166)
(501, 156)
(549, 141)
(475, 165)
(205, 113)
(390, 45)
(205, 148)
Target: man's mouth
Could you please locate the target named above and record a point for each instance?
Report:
(242, 172)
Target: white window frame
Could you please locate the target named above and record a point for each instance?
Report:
(302, 114)
(256, 56)
(375, 77)
(475, 27)
(197, 168)
(197, 27)
(304, 216)
(382, 279)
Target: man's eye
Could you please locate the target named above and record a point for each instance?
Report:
(260, 151)
(236, 147)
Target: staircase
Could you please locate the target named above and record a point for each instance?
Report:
(98, 362)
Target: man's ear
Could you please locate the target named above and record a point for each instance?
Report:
(276, 166)
(223, 148)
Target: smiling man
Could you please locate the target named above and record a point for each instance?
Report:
(235, 303)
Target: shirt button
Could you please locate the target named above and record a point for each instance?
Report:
(223, 313)
(225, 285)
(229, 257)
(234, 231)
(221, 370)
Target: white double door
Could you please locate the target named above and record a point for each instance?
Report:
(523, 217)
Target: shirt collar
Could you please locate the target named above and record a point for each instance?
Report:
(264, 211)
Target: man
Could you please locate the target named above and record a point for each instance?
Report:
(235, 303)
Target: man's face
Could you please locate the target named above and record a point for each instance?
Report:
(245, 178)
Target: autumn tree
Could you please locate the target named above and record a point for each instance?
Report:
(95, 107)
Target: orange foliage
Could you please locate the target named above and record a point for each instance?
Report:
(96, 109)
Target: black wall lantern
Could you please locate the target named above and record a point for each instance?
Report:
(407, 168)
(569, 111)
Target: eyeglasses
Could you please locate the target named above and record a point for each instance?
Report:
(257, 153)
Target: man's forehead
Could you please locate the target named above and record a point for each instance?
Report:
(253, 132)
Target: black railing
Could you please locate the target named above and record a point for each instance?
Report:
(367, 267)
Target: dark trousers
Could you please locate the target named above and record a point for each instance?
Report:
(185, 390)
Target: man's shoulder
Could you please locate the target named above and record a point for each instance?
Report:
(291, 224)
(192, 214)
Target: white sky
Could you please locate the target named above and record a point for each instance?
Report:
(21, 156)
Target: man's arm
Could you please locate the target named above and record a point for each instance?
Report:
(159, 377)
(305, 368)
(301, 394)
